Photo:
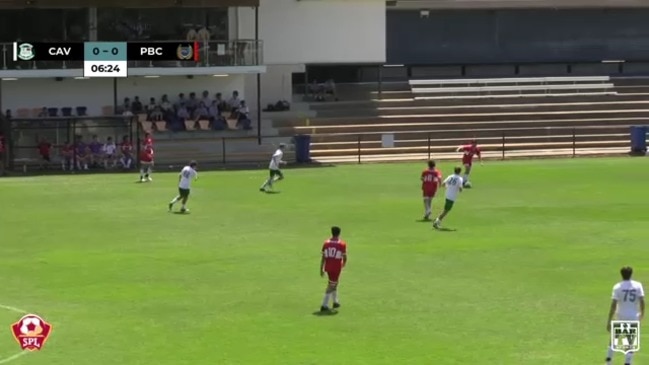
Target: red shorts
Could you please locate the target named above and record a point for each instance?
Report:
(333, 275)
(429, 193)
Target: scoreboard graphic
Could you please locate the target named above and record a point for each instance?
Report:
(106, 59)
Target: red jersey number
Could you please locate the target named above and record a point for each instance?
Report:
(334, 253)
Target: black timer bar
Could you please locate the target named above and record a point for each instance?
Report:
(140, 51)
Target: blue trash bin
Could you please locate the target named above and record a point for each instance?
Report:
(639, 139)
(303, 148)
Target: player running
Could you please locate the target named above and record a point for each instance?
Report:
(274, 167)
(431, 179)
(185, 178)
(453, 185)
(628, 301)
(146, 163)
(334, 258)
(469, 151)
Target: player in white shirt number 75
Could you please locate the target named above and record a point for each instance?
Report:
(628, 301)
(185, 178)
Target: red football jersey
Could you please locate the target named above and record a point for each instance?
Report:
(430, 179)
(44, 148)
(148, 141)
(469, 151)
(146, 155)
(333, 251)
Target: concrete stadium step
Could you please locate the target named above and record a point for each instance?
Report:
(495, 155)
(459, 140)
(472, 133)
(467, 125)
(485, 147)
(455, 109)
(515, 99)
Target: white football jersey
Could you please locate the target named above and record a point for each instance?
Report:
(627, 293)
(187, 174)
(276, 159)
(110, 148)
(453, 185)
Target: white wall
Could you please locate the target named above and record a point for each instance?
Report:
(318, 31)
(96, 93)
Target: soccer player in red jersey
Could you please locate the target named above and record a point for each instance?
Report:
(44, 148)
(469, 151)
(127, 152)
(147, 141)
(334, 258)
(146, 163)
(431, 178)
(67, 153)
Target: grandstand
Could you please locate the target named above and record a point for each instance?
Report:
(511, 117)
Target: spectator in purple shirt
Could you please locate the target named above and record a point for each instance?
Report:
(96, 156)
(82, 152)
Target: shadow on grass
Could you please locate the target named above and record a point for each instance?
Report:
(424, 220)
(325, 314)
(272, 192)
(444, 229)
(182, 213)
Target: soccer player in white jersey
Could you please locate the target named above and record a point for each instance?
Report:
(453, 185)
(275, 173)
(185, 178)
(628, 301)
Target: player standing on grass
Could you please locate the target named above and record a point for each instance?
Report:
(453, 185)
(628, 301)
(334, 258)
(275, 173)
(185, 178)
(469, 151)
(431, 178)
(146, 163)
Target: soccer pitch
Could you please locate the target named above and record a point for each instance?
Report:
(524, 279)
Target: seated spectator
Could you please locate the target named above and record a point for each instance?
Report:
(110, 153)
(167, 108)
(206, 98)
(201, 112)
(67, 156)
(220, 102)
(126, 107)
(192, 103)
(44, 148)
(154, 111)
(234, 102)
(218, 122)
(181, 101)
(243, 116)
(320, 91)
(182, 113)
(137, 107)
(96, 155)
(82, 153)
(43, 113)
(126, 149)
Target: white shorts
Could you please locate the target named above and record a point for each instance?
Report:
(627, 317)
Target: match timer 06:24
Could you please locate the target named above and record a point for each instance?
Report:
(105, 59)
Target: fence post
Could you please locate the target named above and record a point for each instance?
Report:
(428, 146)
(359, 148)
(74, 144)
(574, 142)
(223, 150)
(503, 146)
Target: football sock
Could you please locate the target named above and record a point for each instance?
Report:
(325, 301)
(174, 200)
(335, 296)
(184, 207)
(628, 358)
(466, 177)
(141, 173)
(609, 353)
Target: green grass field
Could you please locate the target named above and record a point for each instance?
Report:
(524, 280)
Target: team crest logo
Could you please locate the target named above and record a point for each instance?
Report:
(185, 52)
(31, 332)
(25, 51)
(625, 336)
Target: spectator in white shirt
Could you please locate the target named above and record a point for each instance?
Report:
(201, 112)
(182, 113)
(110, 153)
(153, 110)
(181, 101)
(167, 108)
(218, 122)
(243, 116)
(206, 98)
(234, 101)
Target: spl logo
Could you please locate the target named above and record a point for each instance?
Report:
(31, 332)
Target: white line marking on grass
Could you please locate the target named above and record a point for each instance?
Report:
(22, 353)
(13, 357)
